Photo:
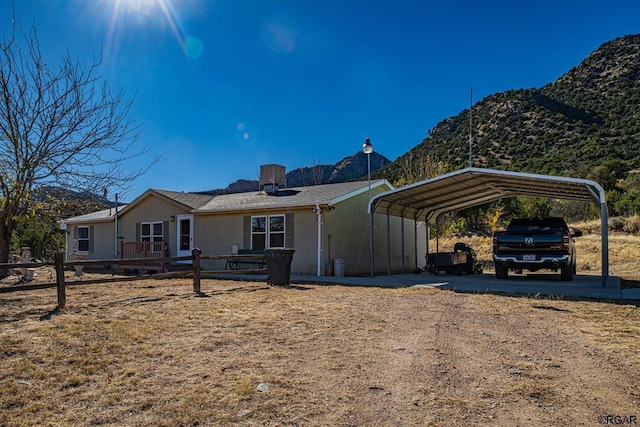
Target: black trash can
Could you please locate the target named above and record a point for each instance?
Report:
(279, 265)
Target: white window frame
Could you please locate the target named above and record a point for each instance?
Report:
(267, 233)
(152, 236)
(282, 232)
(83, 239)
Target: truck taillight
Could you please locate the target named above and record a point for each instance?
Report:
(565, 241)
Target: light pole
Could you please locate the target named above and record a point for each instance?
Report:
(367, 148)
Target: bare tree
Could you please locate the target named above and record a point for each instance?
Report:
(59, 126)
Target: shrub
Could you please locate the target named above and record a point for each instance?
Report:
(631, 225)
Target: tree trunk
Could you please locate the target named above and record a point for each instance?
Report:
(5, 239)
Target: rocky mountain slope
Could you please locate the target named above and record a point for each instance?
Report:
(589, 115)
(350, 168)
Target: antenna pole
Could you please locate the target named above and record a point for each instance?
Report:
(470, 127)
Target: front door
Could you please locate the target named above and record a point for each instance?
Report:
(185, 235)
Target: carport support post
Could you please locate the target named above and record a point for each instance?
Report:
(402, 238)
(195, 252)
(388, 245)
(428, 233)
(604, 233)
(437, 235)
(371, 239)
(415, 243)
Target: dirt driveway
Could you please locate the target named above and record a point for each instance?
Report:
(152, 354)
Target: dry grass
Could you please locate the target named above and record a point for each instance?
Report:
(152, 354)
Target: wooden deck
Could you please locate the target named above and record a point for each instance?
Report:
(143, 250)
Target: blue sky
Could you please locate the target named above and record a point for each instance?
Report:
(223, 86)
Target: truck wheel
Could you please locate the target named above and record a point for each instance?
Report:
(501, 272)
(566, 273)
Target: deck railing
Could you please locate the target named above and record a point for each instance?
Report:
(141, 250)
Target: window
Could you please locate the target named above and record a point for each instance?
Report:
(83, 239)
(267, 231)
(276, 231)
(258, 232)
(151, 232)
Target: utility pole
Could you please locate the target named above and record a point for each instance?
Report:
(470, 127)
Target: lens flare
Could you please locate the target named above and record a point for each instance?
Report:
(193, 47)
(278, 36)
(148, 13)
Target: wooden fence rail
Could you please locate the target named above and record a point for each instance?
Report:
(61, 284)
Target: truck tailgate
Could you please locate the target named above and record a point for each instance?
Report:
(527, 242)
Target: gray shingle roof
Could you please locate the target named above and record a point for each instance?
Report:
(288, 197)
(192, 200)
(103, 215)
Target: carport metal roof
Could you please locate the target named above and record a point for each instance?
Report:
(426, 200)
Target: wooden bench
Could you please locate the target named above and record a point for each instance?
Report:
(249, 257)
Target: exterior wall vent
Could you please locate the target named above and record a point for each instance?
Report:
(272, 178)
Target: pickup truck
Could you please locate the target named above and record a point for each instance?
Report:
(534, 244)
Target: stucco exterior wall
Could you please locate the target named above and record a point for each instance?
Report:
(216, 233)
(347, 236)
(305, 259)
(102, 236)
(151, 209)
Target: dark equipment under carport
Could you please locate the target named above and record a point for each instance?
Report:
(463, 259)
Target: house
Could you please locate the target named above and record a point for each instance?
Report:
(321, 223)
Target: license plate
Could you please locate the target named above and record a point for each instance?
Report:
(528, 257)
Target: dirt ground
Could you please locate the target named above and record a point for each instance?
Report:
(151, 353)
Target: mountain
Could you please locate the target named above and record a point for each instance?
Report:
(68, 202)
(350, 168)
(588, 116)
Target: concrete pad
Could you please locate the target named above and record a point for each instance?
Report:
(582, 286)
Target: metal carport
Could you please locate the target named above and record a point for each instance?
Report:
(426, 200)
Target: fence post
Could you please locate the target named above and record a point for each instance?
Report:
(60, 286)
(196, 270)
